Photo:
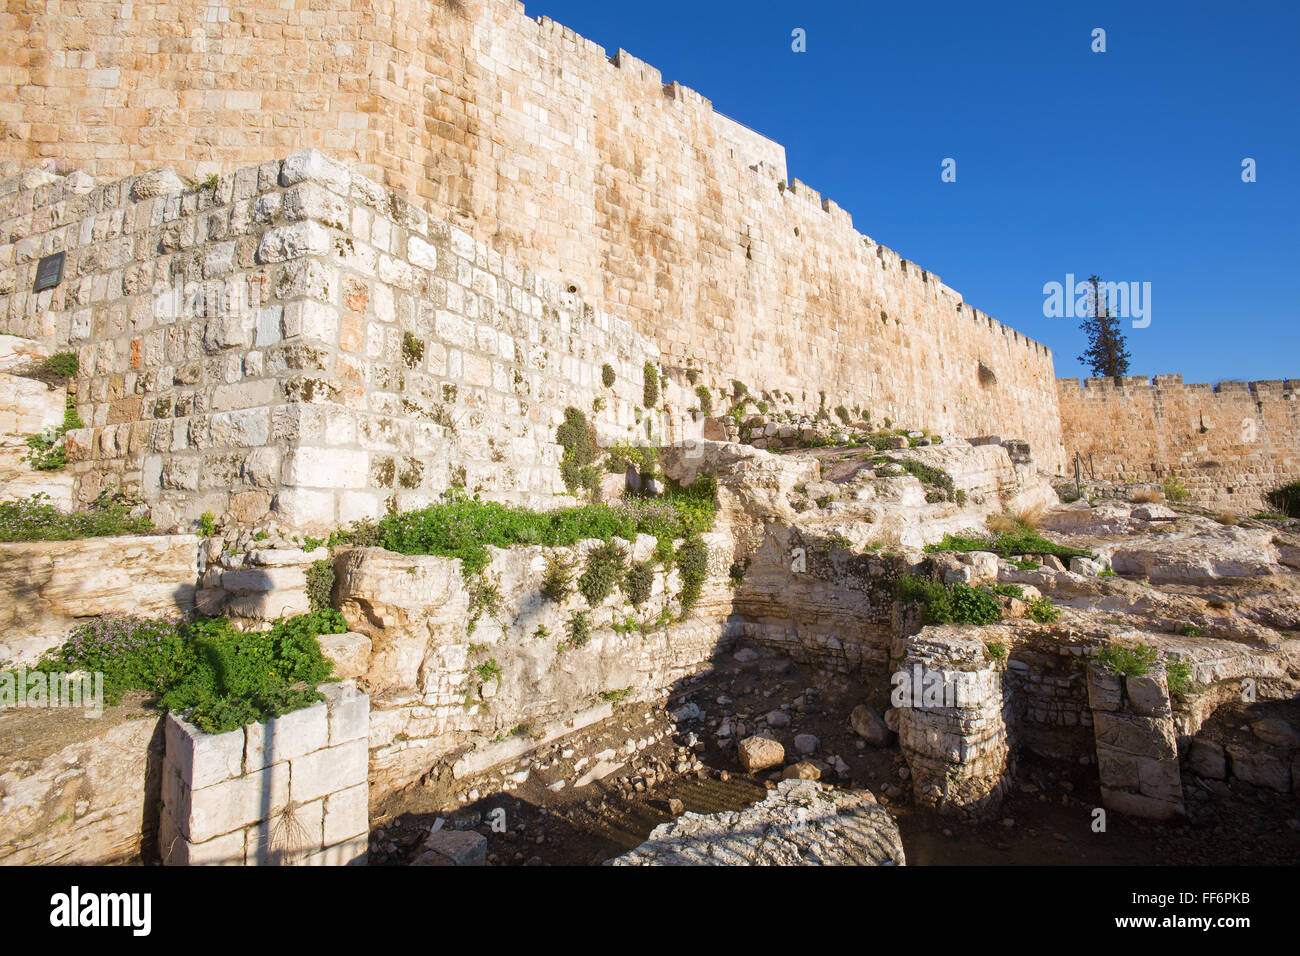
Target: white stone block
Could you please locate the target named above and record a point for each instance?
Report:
(224, 807)
(329, 770)
(225, 850)
(351, 853)
(291, 242)
(327, 468)
(421, 253)
(202, 759)
(313, 164)
(347, 814)
(301, 507)
(283, 738)
(287, 838)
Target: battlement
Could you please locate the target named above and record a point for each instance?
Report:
(1267, 388)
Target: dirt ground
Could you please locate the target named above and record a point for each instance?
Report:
(1047, 820)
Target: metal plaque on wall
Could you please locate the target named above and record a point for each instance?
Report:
(49, 272)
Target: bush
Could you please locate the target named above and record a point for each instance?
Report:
(937, 477)
(557, 583)
(692, 564)
(650, 390)
(1040, 609)
(320, 584)
(706, 399)
(60, 364)
(607, 375)
(605, 570)
(1131, 662)
(1179, 677)
(48, 452)
(640, 582)
(577, 630)
(35, 519)
(1286, 499)
(577, 437)
(1174, 489)
(949, 604)
(215, 676)
(1005, 544)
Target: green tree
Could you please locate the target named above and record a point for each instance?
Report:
(1106, 354)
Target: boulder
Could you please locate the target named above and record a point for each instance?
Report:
(760, 753)
(869, 725)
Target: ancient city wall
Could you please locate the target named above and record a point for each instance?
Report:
(1228, 443)
(292, 341)
(634, 194)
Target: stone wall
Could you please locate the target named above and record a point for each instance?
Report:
(293, 343)
(1228, 443)
(636, 194)
(462, 683)
(48, 587)
(290, 791)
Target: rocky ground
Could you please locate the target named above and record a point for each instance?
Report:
(693, 766)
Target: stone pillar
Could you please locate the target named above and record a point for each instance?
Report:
(951, 728)
(1137, 750)
(291, 791)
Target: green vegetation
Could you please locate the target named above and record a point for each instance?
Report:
(706, 399)
(207, 524)
(1174, 489)
(650, 390)
(605, 571)
(578, 468)
(1285, 499)
(412, 350)
(35, 519)
(1040, 609)
(692, 564)
(577, 630)
(1190, 630)
(484, 598)
(624, 453)
(557, 582)
(995, 651)
(1021, 540)
(1131, 662)
(60, 365)
(1179, 676)
(937, 477)
(615, 696)
(47, 452)
(639, 582)
(607, 375)
(320, 584)
(215, 676)
(949, 603)
(488, 671)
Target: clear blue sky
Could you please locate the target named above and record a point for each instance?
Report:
(1125, 163)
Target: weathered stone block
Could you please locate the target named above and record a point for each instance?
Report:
(347, 814)
(202, 759)
(328, 770)
(286, 737)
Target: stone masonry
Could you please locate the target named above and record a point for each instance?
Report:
(290, 791)
(633, 193)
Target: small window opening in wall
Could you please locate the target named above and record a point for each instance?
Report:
(573, 290)
(796, 230)
(988, 378)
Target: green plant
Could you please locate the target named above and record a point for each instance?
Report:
(650, 390)
(484, 598)
(557, 582)
(1190, 630)
(542, 632)
(950, 603)
(614, 696)
(640, 582)
(736, 573)
(692, 565)
(1131, 662)
(35, 519)
(412, 350)
(207, 524)
(1179, 677)
(843, 414)
(605, 570)
(929, 475)
(1285, 499)
(577, 630)
(1040, 609)
(1005, 545)
(60, 365)
(1174, 489)
(995, 651)
(48, 452)
(705, 398)
(488, 671)
(577, 437)
(320, 584)
(607, 375)
(217, 677)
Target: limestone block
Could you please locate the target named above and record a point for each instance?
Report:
(225, 850)
(261, 579)
(349, 853)
(283, 738)
(454, 848)
(304, 508)
(224, 807)
(1104, 689)
(349, 711)
(1206, 758)
(291, 242)
(1140, 736)
(330, 769)
(287, 837)
(760, 753)
(268, 605)
(312, 164)
(1148, 695)
(350, 653)
(347, 814)
(1259, 768)
(157, 182)
(203, 759)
